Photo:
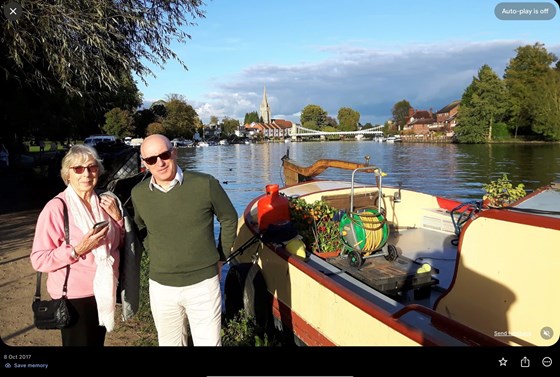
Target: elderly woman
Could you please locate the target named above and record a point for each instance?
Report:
(92, 255)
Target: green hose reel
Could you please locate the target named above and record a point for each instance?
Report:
(365, 231)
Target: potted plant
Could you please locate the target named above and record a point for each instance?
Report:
(316, 224)
(502, 192)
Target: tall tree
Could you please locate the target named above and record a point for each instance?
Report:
(252, 117)
(76, 44)
(348, 119)
(229, 126)
(484, 103)
(181, 119)
(524, 75)
(214, 120)
(313, 116)
(141, 120)
(118, 122)
(546, 119)
(400, 112)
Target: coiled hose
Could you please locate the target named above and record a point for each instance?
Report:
(365, 231)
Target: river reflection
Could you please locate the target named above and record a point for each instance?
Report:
(448, 170)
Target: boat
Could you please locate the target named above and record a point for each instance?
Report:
(181, 143)
(442, 273)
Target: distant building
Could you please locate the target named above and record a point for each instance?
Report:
(265, 109)
(419, 122)
(277, 129)
(269, 128)
(423, 122)
(446, 118)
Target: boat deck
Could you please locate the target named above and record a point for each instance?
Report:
(388, 277)
(403, 279)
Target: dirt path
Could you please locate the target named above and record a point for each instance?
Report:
(20, 203)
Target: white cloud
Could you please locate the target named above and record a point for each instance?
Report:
(370, 81)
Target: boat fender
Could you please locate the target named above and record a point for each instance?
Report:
(296, 247)
(245, 288)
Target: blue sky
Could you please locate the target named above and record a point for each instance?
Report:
(362, 54)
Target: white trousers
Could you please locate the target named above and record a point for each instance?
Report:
(198, 306)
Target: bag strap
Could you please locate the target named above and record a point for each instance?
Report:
(67, 239)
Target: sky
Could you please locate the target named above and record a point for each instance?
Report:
(363, 54)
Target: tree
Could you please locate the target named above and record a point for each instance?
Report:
(546, 118)
(400, 112)
(213, 120)
(484, 103)
(141, 120)
(524, 77)
(159, 109)
(229, 126)
(348, 119)
(76, 45)
(181, 119)
(118, 122)
(252, 117)
(155, 128)
(313, 115)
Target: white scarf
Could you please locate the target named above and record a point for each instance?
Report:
(105, 281)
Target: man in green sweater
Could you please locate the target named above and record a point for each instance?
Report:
(176, 208)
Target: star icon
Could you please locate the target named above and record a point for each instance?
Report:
(503, 362)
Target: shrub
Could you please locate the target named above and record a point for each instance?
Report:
(501, 192)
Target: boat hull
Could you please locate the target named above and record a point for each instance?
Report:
(482, 290)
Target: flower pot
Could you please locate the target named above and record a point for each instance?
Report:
(328, 254)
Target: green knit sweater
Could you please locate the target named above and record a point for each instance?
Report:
(180, 228)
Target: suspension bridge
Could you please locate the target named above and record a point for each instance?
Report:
(299, 131)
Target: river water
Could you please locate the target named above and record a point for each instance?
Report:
(449, 170)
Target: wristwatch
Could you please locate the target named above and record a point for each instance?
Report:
(74, 254)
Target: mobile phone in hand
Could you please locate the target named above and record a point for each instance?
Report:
(99, 226)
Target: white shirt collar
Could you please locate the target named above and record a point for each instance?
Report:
(178, 180)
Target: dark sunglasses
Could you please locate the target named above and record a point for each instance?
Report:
(152, 160)
(80, 169)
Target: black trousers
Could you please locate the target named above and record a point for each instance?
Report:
(84, 329)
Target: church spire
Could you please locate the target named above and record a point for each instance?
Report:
(265, 108)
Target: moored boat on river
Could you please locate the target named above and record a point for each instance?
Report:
(440, 272)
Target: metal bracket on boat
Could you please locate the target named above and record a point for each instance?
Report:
(397, 195)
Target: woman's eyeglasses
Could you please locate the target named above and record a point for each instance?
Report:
(152, 160)
(81, 169)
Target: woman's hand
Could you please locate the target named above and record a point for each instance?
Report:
(111, 206)
(90, 241)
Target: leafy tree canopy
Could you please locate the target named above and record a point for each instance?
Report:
(118, 122)
(484, 103)
(80, 45)
(532, 83)
(229, 126)
(400, 112)
(348, 119)
(252, 117)
(313, 114)
(181, 119)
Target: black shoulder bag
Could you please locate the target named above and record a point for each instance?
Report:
(53, 314)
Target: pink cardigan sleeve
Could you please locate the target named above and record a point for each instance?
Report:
(49, 251)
